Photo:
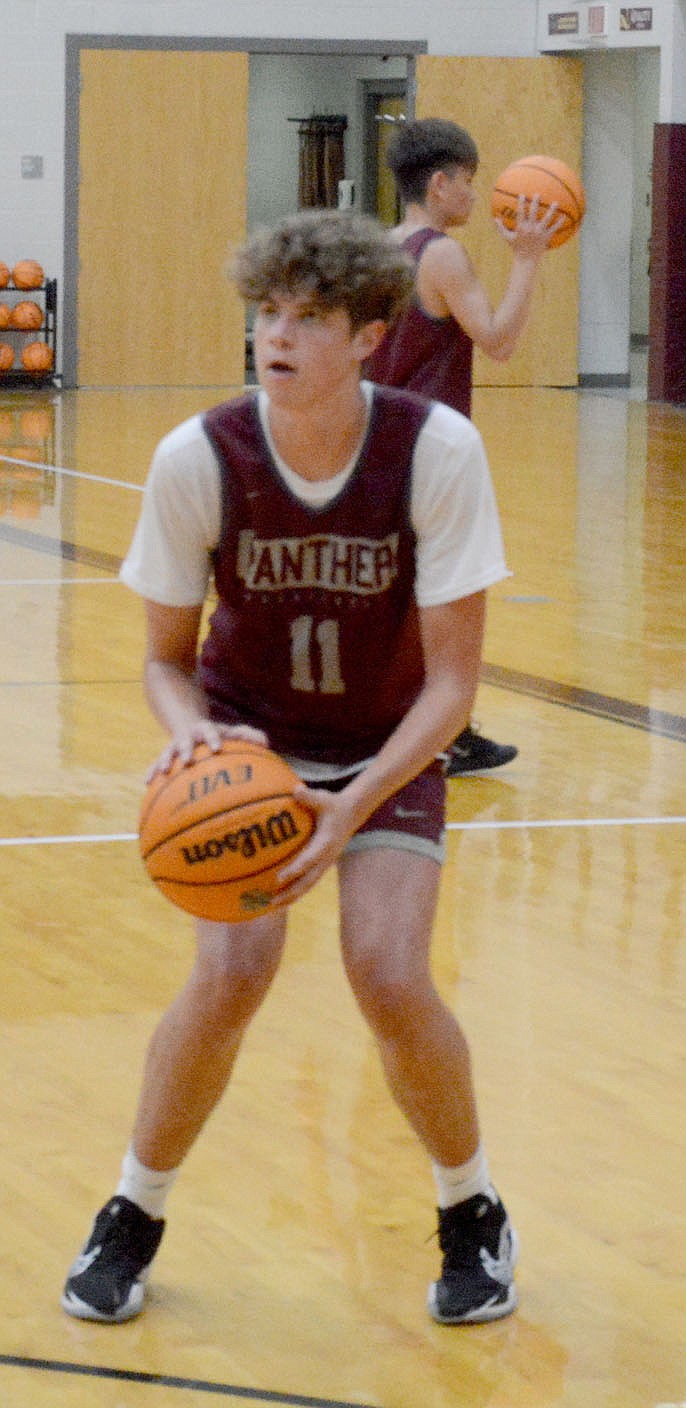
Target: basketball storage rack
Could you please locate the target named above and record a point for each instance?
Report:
(17, 375)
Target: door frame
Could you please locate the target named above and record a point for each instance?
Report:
(372, 89)
(75, 43)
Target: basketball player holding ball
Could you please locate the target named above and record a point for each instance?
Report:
(430, 348)
(352, 534)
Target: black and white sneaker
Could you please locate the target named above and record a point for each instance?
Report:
(479, 1248)
(471, 752)
(107, 1280)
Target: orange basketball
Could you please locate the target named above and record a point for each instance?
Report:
(27, 274)
(26, 315)
(6, 356)
(4, 275)
(5, 315)
(214, 834)
(550, 180)
(37, 357)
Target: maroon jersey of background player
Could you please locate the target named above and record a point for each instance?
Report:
(431, 356)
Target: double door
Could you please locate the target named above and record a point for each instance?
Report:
(162, 161)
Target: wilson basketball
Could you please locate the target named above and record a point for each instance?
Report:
(37, 357)
(4, 275)
(550, 180)
(214, 834)
(27, 274)
(26, 315)
(5, 315)
(6, 356)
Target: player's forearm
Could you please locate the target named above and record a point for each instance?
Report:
(512, 314)
(174, 696)
(440, 712)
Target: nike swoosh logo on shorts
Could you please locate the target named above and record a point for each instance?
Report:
(406, 813)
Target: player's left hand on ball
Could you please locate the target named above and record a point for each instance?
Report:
(334, 825)
(532, 231)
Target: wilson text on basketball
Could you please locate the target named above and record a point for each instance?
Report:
(271, 833)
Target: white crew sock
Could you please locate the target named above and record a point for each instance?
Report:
(455, 1185)
(148, 1187)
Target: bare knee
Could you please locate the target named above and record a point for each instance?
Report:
(226, 996)
(392, 993)
(233, 971)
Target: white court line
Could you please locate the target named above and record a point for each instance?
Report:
(66, 840)
(73, 473)
(569, 821)
(59, 581)
(451, 826)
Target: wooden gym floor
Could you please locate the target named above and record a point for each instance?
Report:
(299, 1246)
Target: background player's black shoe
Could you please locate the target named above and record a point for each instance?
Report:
(479, 1249)
(107, 1280)
(471, 752)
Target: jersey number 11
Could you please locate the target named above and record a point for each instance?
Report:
(315, 656)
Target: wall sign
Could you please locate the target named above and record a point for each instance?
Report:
(636, 17)
(564, 22)
(597, 21)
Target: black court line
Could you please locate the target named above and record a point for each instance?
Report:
(57, 547)
(254, 1395)
(584, 701)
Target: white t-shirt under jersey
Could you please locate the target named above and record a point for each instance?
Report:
(453, 512)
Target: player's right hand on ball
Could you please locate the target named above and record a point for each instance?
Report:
(203, 731)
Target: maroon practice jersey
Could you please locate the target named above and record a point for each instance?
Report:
(315, 638)
(431, 356)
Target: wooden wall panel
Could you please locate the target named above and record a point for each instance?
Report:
(163, 144)
(514, 107)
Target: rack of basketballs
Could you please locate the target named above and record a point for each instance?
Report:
(28, 315)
